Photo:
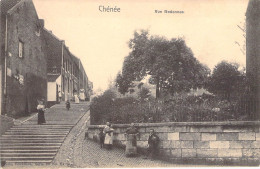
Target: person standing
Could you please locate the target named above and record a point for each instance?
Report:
(131, 143)
(101, 138)
(153, 144)
(41, 109)
(59, 94)
(76, 98)
(108, 131)
(68, 105)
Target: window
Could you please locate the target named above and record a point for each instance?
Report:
(20, 49)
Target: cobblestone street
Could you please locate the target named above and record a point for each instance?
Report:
(78, 152)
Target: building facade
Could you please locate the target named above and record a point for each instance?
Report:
(253, 50)
(34, 63)
(23, 58)
(66, 75)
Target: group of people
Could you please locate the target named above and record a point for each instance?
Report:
(106, 140)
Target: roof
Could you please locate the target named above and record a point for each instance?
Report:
(52, 77)
(10, 11)
(50, 33)
(6, 5)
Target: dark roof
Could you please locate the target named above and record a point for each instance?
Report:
(6, 5)
(52, 78)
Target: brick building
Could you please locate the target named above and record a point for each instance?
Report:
(35, 64)
(253, 49)
(66, 75)
(23, 58)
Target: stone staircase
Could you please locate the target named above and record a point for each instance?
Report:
(32, 143)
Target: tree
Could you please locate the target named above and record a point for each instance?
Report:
(226, 79)
(169, 63)
(144, 93)
(122, 83)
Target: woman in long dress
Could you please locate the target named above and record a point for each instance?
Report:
(108, 131)
(41, 109)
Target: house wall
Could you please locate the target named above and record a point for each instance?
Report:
(54, 52)
(219, 143)
(26, 76)
(51, 92)
(6, 124)
(62, 61)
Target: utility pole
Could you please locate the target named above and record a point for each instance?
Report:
(1, 62)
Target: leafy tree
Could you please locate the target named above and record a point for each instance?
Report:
(169, 63)
(226, 79)
(101, 107)
(144, 93)
(122, 83)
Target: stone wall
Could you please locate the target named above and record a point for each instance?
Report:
(6, 123)
(218, 143)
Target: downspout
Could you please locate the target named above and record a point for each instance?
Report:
(6, 40)
(62, 60)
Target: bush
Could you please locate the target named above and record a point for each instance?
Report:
(182, 108)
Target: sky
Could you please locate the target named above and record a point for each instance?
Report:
(100, 39)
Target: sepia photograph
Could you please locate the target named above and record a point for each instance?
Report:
(129, 84)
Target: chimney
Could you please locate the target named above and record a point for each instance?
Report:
(41, 22)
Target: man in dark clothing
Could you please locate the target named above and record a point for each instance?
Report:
(153, 143)
(68, 104)
(101, 138)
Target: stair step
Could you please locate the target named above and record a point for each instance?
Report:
(27, 158)
(40, 129)
(14, 154)
(34, 136)
(28, 162)
(29, 147)
(28, 151)
(31, 141)
(29, 144)
(37, 130)
(35, 133)
(43, 126)
(28, 139)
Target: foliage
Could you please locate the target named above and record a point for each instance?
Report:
(144, 93)
(226, 79)
(122, 83)
(169, 63)
(101, 106)
(175, 109)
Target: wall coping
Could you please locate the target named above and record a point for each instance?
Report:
(226, 123)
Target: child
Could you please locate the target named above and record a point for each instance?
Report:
(101, 138)
(68, 104)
